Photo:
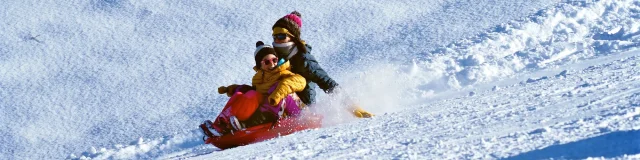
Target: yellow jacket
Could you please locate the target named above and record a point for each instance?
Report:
(289, 82)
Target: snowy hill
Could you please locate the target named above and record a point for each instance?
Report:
(118, 79)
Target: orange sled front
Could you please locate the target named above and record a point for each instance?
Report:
(267, 131)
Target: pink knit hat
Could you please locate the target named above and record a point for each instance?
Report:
(291, 22)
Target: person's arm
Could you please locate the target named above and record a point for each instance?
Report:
(232, 89)
(315, 73)
(290, 84)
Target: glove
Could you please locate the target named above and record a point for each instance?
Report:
(273, 102)
(360, 113)
(227, 90)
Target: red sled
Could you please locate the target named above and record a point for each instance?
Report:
(266, 131)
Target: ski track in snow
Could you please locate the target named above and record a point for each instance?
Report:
(572, 91)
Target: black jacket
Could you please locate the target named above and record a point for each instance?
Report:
(307, 66)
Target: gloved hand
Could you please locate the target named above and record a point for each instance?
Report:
(360, 113)
(227, 90)
(273, 101)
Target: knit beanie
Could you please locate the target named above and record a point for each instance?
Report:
(261, 51)
(291, 25)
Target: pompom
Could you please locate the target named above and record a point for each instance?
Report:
(259, 43)
(297, 13)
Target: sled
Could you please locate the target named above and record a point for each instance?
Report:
(266, 131)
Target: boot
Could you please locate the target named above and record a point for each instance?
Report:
(236, 124)
(208, 130)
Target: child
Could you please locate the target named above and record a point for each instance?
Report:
(271, 95)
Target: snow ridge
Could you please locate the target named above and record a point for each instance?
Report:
(565, 33)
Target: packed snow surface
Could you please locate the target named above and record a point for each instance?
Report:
(119, 79)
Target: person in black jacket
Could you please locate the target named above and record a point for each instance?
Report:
(289, 45)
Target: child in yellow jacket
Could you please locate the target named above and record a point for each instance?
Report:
(270, 72)
(273, 82)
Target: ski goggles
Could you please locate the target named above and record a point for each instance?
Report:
(280, 36)
(270, 61)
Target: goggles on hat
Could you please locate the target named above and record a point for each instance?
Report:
(280, 30)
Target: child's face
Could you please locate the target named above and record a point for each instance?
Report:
(268, 62)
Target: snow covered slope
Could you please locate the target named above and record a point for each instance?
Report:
(125, 79)
(574, 114)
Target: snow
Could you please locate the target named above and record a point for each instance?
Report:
(117, 79)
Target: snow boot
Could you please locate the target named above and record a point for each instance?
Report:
(208, 130)
(236, 124)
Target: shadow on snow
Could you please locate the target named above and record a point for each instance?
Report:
(613, 144)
